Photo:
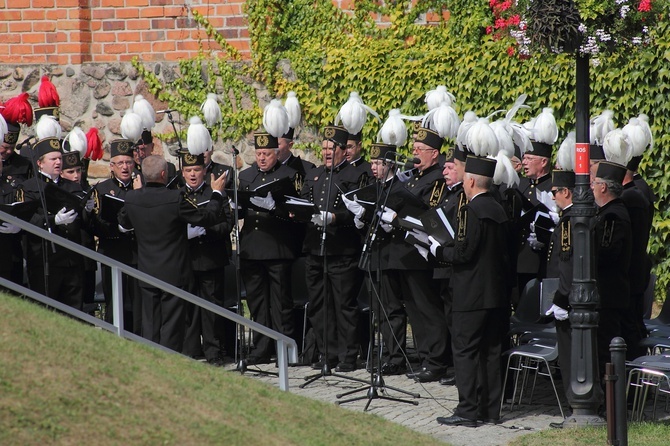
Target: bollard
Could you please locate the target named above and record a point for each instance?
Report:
(618, 353)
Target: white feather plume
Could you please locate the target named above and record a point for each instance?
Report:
(353, 114)
(644, 122)
(617, 147)
(565, 158)
(293, 109)
(394, 130)
(518, 105)
(211, 110)
(439, 96)
(443, 119)
(601, 125)
(131, 126)
(503, 131)
(481, 139)
(198, 139)
(505, 173)
(545, 129)
(637, 136)
(469, 120)
(76, 140)
(521, 138)
(275, 118)
(3, 128)
(143, 108)
(48, 127)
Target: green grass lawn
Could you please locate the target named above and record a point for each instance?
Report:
(63, 382)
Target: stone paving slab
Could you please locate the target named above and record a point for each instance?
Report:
(435, 400)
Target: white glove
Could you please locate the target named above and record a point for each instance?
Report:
(195, 231)
(559, 313)
(386, 228)
(90, 204)
(434, 244)
(123, 230)
(419, 235)
(354, 207)
(319, 219)
(423, 251)
(65, 218)
(359, 224)
(534, 243)
(8, 228)
(264, 202)
(388, 215)
(404, 176)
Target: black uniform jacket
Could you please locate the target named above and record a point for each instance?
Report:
(559, 258)
(268, 235)
(612, 236)
(112, 242)
(480, 256)
(159, 217)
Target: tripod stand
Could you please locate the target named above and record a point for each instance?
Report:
(326, 369)
(376, 383)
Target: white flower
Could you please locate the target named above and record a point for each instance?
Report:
(624, 11)
(582, 28)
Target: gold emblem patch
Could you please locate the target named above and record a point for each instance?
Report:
(123, 147)
(329, 133)
(374, 152)
(71, 159)
(262, 141)
(450, 153)
(421, 135)
(190, 159)
(55, 144)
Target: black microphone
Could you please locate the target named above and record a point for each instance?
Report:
(235, 151)
(167, 110)
(20, 145)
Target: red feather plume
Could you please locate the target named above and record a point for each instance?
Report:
(47, 95)
(94, 145)
(18, 110)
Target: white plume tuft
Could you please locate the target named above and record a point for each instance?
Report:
(275, 118)
(439, 96)
(143, 108)
(565, 158)
(503, 131)
(77, 141)
(469, 120)
(617, 147)
(644, 122)
(131, 126)
(211, 110)
(353, 114)
(518, 105)
(48, 127)
(293, 108)
(443, 119)
(637, 135)
(521, 138)
(394, 130)
(505, 173)
(601, 125)
(3, 128)
(481, 139)
(198, 139)
(545, 129)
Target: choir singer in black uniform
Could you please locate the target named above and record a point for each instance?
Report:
(159, 217)
(480, 281)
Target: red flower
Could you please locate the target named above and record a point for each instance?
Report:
(492, 3)
(514, 20)
(489, 29)
(510, 51)
(500, 23)
(645, 6)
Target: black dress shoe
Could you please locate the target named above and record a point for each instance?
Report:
(256, 360)
(319, 365)
(345, 367)
(455, 420)
(389, 368)
(489, 420)
(448, 380)
(216, 361)
(426, 376)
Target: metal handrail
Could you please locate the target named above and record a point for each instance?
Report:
(287, 348)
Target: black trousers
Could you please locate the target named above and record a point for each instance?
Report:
(66, 285)
(268, 285)
(208, 285)
(333, 307)
(477, 345)
(393, 318)
(564, 340)
(162, 318)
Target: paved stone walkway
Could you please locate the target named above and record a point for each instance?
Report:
(435, 400)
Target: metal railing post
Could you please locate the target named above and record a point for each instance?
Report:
(618, 352)
(117, 300)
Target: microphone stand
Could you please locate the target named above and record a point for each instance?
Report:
(325, 369)
(376, 384)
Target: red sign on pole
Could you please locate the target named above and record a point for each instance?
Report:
(582, 162)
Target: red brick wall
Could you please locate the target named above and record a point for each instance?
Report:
(76, 31)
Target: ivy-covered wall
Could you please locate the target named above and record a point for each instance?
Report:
(332, 53)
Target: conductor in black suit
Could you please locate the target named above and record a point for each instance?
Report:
(159, 217)
(480, 281)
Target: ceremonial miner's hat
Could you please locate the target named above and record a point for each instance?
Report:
(379, 150)
(121, 147)
(46, 145)
(71, 159)
(187, 159)
(608, 170)
(480, 165)
(563, 178)
(338, 135)
(264, 140)
(429, 137)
